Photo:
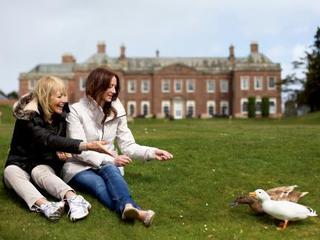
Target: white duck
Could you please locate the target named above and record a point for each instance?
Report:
(283, 210)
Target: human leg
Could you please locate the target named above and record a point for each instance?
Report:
(117, 187)
(45, 177)
(19, 180)
(93, 184)
(119, 190)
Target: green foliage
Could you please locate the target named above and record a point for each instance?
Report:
(13, 95)
(310, 64)
(265, 105)
(312, 85)
(214, 162)
(251, 107)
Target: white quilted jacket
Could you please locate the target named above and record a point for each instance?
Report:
(84, 122)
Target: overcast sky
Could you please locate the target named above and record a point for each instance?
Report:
(40, 31)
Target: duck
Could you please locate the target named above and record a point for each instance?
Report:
(283, 210)
(278, 193)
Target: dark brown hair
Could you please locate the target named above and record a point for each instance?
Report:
(98, 82)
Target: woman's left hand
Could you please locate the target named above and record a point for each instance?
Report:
(162, 155)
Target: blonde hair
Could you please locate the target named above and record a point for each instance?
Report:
(46, 87)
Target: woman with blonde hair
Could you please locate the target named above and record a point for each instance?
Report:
(38, 149)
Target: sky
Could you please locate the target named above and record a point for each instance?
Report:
(41, 31)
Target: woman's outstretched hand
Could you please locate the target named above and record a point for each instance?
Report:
(122, 160)
(162, 155)
(99, 146)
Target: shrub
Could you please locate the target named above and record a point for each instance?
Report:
(251, 107)
(265, 107)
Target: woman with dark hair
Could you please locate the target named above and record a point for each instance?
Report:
(101, 116)
(38, 148)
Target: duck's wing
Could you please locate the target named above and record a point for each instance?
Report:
(282, 189)
(294, 196)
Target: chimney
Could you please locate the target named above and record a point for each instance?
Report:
(254, 47)
(101, 47)
(231, 54)
(157, 53)
(122, 52)
(68, 58)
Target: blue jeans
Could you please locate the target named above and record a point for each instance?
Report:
(107, 184)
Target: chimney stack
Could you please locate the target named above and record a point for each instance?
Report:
(122, 52)
(101, 47)
(231, 54)
(68, 58)
(254, 47)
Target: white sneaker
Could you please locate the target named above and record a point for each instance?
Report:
(52, 210)
(149, 218)
(78, 208)
(130, 212)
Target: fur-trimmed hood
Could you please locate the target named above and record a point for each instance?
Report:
(26, 108)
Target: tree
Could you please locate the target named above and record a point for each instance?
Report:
(251, 107)
(2, 93)
(309, 82)
(311, 93)
(13, 95)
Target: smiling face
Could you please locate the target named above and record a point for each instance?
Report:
(110, 91)
(57, 101)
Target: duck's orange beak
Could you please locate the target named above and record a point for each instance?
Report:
(252, 194)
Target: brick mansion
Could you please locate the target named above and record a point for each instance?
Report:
(175, 86)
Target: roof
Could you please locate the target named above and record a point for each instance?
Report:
(254, 61)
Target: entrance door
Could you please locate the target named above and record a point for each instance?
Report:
(177, 109)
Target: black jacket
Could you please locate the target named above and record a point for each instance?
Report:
(35, 141)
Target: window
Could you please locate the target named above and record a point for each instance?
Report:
(145, 108)
(145, 86)
(271, 83)
(82, 84)
(165, 86)
(258, 83)
(165, 106)
(224, 108)
(272, 105)
(211, 85)
(32, 84)
(211, 108)
(244, 105)
(191, 109)
(191, 85)
(178, 85)
(131, 108)
(244, 83)
(132, 86)
(224, 86)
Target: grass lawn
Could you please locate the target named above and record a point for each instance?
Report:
(214, 162)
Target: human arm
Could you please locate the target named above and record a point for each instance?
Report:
(128, 146)
(44, 137)
(39, 135)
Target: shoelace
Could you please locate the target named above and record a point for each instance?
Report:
(79, 202)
